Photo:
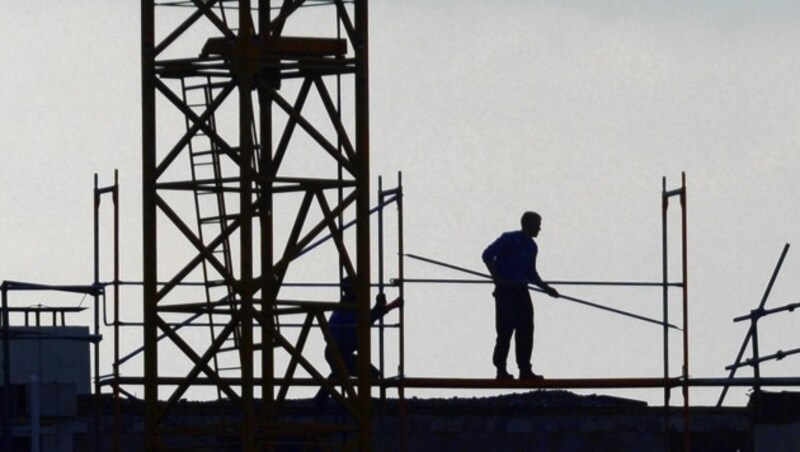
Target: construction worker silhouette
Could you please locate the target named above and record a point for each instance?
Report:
(511, 260)
(343, 324)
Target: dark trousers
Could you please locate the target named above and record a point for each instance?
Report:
(513, 316)
(350, 361)
(350, 358)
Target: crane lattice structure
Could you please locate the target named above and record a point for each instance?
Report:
(251, 124)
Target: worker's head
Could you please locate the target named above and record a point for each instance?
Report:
(531, 223)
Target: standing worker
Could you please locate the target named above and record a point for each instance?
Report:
(511, 260)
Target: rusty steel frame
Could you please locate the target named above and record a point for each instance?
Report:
(252, 57)
(112, 190)
(666, 195)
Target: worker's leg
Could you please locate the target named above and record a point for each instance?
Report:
(504, 327)
(322, 394)
(523, 337)
(348, 357)
(353, 366)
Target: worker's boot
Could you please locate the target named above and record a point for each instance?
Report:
(527, 374)
(503, 374)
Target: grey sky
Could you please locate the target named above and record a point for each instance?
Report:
(572, 108)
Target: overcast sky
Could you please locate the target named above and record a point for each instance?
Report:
(575, 108)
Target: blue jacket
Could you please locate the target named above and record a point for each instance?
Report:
(514, 254)
(344, 322)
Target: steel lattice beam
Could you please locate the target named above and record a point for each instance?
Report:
(220, 81)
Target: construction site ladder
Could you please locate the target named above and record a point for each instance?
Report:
(209, 202)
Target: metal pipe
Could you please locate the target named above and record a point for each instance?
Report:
(396, 281)
(96, 313)
(381, 338)
(665, 289)
(750, 331)
(765, 312)
(492, 383)
(401, 373)
(756, 361)
(530, 287)
(587, 383)
(381, 285)
(344, 227)
(685, 280)
(7, 403)
(96, 298)
(12, 286)
(117, 406)
(779, 355)
(98, 194)
(200, 284)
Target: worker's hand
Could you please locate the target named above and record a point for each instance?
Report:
(395, 304)
(552, 292)
(380, 300)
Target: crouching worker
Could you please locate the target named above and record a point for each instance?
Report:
(343, 323)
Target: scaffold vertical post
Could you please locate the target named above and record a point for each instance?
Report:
(381, 338)
(7, 403)
(96, 295)
(98, 193)
(117, 407)
(755, 360)
(401, 292)
(665, 286)
(685, 286)
(665, 195)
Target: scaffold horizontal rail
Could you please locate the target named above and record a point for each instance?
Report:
(397, 281)
(493, 383)
(761, 312)
(779, 355)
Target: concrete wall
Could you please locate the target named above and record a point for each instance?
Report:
(56, 354)
(776, 437)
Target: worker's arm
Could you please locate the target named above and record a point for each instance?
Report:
(489, 257)
(535, 279)
(490, 265)
(381, 308)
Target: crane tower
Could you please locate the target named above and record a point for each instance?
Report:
(255, 146)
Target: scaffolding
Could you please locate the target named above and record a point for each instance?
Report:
(338, 433)
(751, 337)
(122, 383)
(255, 154)
(400, 382)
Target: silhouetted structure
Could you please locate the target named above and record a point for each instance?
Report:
(218, 196)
